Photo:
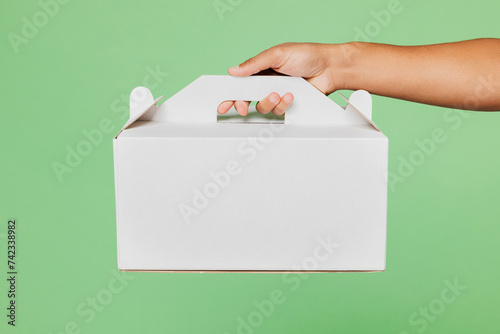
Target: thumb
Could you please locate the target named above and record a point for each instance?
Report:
(268, 59)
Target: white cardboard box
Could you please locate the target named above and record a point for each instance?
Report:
(195, 192)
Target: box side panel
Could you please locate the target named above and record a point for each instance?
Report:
(116, 165)
(384, 156)
(251, 204)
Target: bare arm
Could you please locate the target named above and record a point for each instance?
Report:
(464, 75)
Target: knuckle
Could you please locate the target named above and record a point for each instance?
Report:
(278, 51)
(285, 45)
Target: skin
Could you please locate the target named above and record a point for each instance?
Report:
(461, 75)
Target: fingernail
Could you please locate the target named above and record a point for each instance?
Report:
(288, 98)
(234, 68)
(273, 98)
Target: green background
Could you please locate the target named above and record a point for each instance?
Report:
(443, 220)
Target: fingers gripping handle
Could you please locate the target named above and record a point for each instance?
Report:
(198, 101)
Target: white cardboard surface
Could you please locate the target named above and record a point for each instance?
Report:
(307, 195)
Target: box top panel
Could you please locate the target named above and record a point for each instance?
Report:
(146, 129)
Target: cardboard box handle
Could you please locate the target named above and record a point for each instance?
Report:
(198, 102)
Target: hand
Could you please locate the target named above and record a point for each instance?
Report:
(319, 64)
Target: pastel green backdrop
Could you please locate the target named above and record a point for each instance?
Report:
(71, 72)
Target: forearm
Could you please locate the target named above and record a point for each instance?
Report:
(463, 75)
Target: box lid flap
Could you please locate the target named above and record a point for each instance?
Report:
(141, 101)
